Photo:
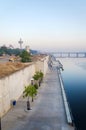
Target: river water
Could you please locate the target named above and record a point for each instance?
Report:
(74, 79)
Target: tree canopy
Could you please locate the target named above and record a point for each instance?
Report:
(25, 56)
(9, 51)
(30, 90)
(38, 75)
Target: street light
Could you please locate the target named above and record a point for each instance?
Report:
(32, 83)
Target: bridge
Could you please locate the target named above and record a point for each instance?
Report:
(69, 54)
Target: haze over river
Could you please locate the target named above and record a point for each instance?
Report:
(74, 79)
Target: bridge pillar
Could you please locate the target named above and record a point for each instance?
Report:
(85, 55)
(69, 55)
(77, 55)
(61, 55)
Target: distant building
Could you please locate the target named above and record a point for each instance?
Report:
(11, 47)
(27, 48)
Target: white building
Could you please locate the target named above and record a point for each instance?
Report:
(27, 48)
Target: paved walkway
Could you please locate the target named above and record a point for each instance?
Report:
(47, 109)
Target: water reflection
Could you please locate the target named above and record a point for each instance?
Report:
(74, 77)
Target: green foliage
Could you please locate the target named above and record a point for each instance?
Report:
(25, 56)
(41, 75)
(26, 92)
(30, 90)
(36, 85)
(9, 51)
(38, 75)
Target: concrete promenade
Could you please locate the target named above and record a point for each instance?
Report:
(47, 109)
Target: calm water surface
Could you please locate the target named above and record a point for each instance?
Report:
(74, 78)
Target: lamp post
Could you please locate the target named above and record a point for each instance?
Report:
(32, 83)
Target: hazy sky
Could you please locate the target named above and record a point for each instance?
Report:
(44, 24)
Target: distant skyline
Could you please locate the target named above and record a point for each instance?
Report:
(49, 25)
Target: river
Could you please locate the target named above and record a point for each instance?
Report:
(74, 79)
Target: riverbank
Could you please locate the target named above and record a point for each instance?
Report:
(47, 110)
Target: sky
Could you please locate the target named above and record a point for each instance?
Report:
(48, 25)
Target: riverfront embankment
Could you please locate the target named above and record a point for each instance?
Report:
(47, 110)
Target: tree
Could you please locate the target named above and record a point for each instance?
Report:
(41, 75)
(38, 76)
(9, 51)
(25, 56)
(26, 94)
(36, 85)
(30, 91)
(3, 50)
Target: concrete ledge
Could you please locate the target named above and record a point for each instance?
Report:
(67, 109)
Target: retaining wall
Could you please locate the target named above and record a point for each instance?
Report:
(12, 86)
